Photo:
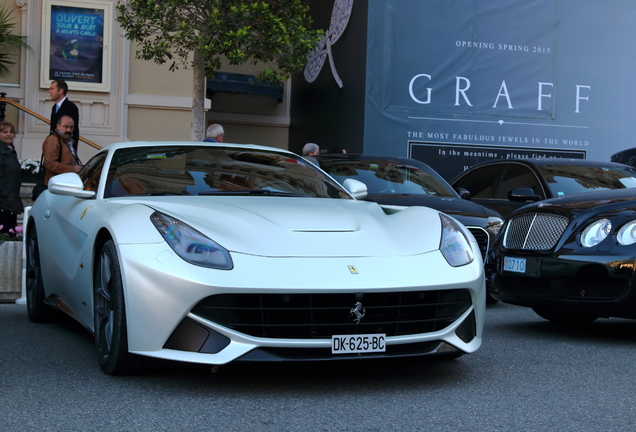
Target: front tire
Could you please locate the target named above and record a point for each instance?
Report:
(38, 310)
(111, 337)
(564, 317)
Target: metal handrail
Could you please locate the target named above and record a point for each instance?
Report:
(4, 100)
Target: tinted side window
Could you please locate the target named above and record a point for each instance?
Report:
(92, 171)
(518, 176)
(481, 183)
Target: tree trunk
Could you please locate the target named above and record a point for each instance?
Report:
(198, 98)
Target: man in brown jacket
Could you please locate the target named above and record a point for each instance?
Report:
(58, 152)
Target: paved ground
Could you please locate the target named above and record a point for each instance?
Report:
(529, 375)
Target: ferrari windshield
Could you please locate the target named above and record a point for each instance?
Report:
(211, 170)
(567, 179)
(386, 177)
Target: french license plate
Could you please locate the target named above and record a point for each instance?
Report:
(347, 344)
(517, 265)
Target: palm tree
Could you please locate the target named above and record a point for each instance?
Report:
(10, 44)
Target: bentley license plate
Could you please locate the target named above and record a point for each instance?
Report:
(517, 265)
(347, 344)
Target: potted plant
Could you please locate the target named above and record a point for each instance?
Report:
(11, 263)
(30, 169)
(10, 44)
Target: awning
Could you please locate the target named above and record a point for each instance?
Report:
(242, 83)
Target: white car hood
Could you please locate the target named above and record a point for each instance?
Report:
(307, 227)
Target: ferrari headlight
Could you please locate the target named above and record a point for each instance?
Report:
(454, 245)
(627, 234)
(190, 244)
(596, 232)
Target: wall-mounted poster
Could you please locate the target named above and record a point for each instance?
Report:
(76, 42)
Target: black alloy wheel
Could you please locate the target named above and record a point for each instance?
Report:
(111, 338)
(38, 310)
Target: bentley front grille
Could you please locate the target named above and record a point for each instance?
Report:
(577, 288)
(524, 286)
(534, 231)
(598, 288)
(319, 316)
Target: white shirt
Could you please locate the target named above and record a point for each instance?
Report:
(59, 104)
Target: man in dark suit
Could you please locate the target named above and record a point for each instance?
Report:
(62, 107)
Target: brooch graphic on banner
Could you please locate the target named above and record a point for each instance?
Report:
(339, 20)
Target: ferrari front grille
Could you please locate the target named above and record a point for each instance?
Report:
(534, 231)
(482, 238)
(319, 316)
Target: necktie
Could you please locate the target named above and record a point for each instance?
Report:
(69, 144)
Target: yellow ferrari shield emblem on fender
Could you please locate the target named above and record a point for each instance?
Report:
(353, 269)
(84, 212)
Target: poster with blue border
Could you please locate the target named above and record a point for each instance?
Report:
(77, 44)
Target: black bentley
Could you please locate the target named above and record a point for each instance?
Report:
(506, 185)
(571, 259)
(402, 181)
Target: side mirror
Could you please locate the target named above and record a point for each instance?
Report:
(463, 193)
(69, 184)
(356, 188)
(523, 194)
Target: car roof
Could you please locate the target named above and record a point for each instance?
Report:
(137, 144)
(364, 156)
(539, 162)
(624, 156)
(629, 150)
(551, 161)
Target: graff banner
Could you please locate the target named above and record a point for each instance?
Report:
(529, 76)
(449, 156)
(76, 41)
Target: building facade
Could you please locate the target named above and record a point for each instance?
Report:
(119, 97)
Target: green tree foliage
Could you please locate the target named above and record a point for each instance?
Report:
(10, 44)
(200, 33)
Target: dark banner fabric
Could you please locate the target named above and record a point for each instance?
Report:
(77, 43)
(322, 112)
(448, 157)
(488, 80)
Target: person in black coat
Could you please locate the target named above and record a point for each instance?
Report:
(62, 107)
(10, 179)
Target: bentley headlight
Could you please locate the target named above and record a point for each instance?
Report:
(627, 234)
(495, 226)
(454, 245)
(190, 244)
(596, 232)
